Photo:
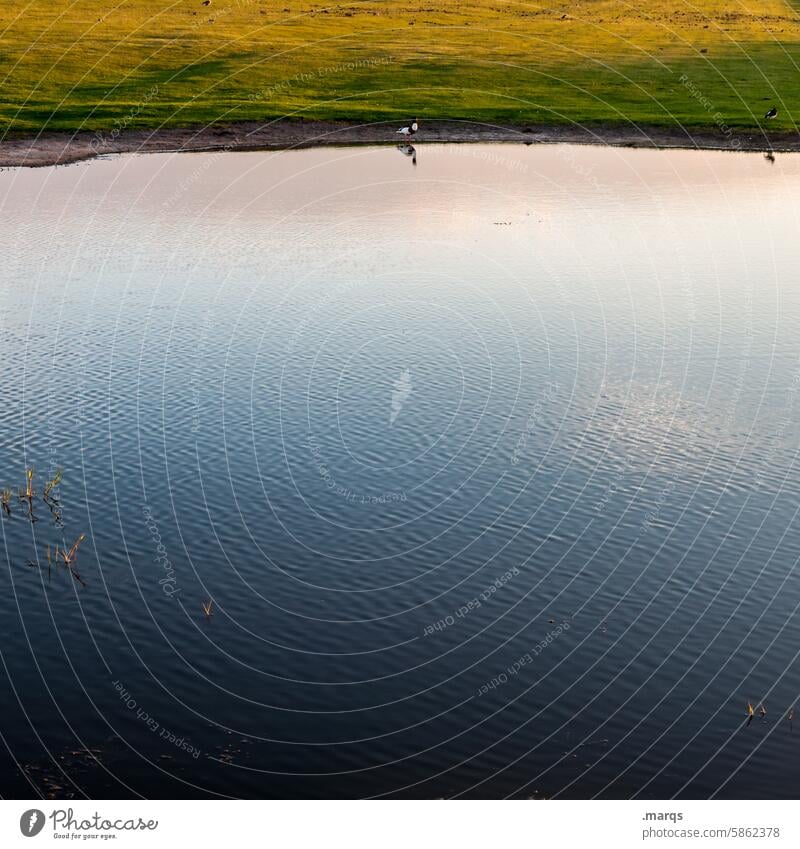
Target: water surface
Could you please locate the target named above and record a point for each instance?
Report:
(488, 464)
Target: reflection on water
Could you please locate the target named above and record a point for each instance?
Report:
(472, 478)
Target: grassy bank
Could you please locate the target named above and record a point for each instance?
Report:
(99, 64)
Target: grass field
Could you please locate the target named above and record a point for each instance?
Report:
(100, 64)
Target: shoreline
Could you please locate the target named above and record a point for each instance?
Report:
(48, 149)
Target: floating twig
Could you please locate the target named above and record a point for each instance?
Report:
(69, 558)
(27, 493)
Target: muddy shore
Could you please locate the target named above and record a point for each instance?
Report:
(64, 148)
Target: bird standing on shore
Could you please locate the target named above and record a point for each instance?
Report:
(410, 130)
(773, 113)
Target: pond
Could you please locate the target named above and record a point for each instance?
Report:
(464, 471)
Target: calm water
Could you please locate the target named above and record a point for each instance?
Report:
(488, 463)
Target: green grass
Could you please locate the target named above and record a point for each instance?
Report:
(97, 64)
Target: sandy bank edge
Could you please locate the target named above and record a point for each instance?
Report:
(64, 148)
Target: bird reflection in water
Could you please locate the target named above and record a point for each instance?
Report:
(408, 150)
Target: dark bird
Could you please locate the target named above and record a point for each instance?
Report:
(773, 113)
(410, 130)
(770, 157)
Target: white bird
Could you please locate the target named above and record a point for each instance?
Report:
(410, 130)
